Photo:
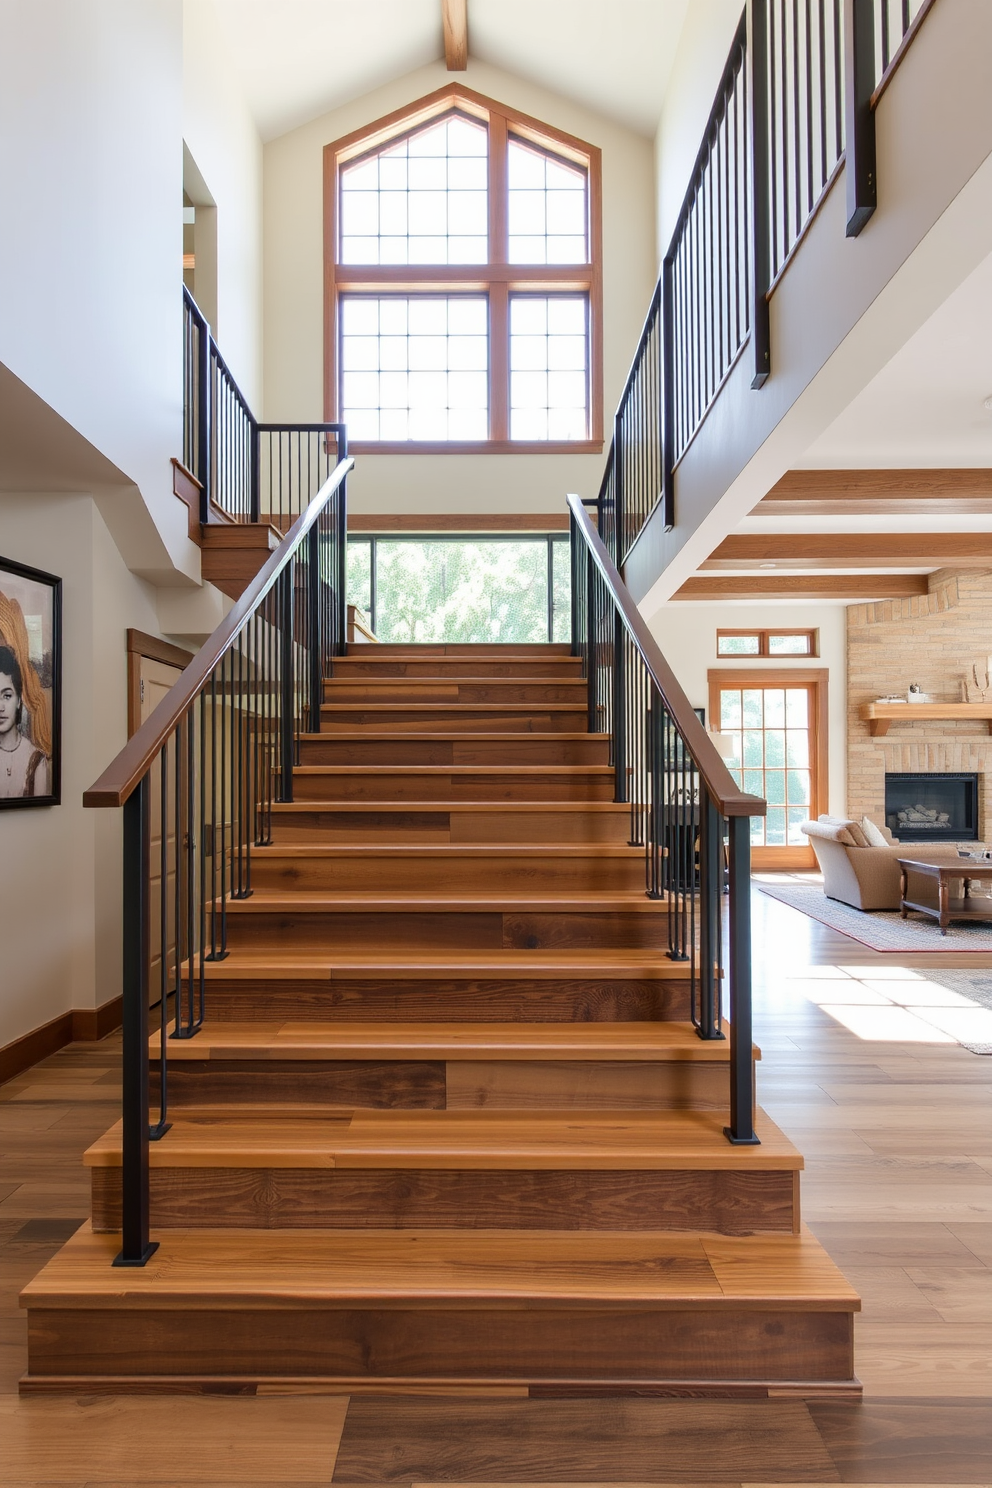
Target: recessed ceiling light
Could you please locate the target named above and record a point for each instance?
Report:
(988, 403)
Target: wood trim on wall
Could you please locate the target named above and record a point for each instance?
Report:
(457, 522)
(186, 486)
(497, 278)
(76, 1026)
(817, 679)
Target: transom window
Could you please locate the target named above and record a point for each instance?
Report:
(463, 283)
(767, 643)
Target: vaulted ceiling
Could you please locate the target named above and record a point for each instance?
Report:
(298, 58)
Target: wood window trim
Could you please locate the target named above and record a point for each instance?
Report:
(817, 679)
(763, 633)
(498, 279)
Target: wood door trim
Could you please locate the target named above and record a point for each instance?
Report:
(817, 679)
(152, 648)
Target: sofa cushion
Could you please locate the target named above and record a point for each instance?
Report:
(853, 829)
(827, 831)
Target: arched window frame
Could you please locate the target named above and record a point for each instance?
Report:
(497, 279)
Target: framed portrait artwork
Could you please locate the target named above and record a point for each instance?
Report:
(30, 686)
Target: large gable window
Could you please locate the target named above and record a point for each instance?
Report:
(463, 302)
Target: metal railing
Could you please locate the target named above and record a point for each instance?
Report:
(197, 782)
(686, 810)
(796, 99)
(247, 471)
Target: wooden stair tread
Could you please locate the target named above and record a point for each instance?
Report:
(451, 736)
(430, 708)
(492, 1140)
(435, 771)
(440, 965)
(435, 808)
(445, 850)
(294, 1269)
(449, 1041)
(306, 901)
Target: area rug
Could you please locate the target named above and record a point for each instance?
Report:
(881, 930)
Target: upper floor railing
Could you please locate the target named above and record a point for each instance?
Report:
(795, 101)
(247, 471)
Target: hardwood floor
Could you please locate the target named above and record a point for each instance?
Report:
(898, 1187)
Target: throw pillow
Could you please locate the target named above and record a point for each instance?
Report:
(876, 837)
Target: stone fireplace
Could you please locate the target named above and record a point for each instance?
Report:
(932, 639)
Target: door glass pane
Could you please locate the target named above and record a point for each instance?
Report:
(772, 757)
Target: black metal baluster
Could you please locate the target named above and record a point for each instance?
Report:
(136, 1246)
(761, 133)
(741, 1129)
(859, 79)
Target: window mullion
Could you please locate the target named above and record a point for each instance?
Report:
(499, 320)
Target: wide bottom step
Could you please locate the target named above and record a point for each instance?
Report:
(633, 1311)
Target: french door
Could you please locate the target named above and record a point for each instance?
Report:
(775, 724)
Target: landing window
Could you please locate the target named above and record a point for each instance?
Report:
(463, 282)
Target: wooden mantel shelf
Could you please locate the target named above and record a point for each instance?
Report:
(880, 716)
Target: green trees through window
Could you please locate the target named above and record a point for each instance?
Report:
(468, 590)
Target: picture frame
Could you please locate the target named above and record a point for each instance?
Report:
(30, 686)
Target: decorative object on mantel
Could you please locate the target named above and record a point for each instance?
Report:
(982, 680)
(893, 697)
(879, 716)
(916, 694)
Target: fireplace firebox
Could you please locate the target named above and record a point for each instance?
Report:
(932, 807)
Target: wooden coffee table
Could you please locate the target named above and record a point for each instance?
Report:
(946, 908)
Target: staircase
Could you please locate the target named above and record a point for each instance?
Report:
(447, 1124)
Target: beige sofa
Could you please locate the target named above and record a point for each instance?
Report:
(864, 876)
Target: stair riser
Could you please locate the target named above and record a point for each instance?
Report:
(452, 690)
(515, 1000)
(513, 749)
(325, 825)
(456, 669)
(401, 787)
(468, 875)
(730, 1202)
(470, 1343)
(437, 931)
(454, 1085)
(456, 719)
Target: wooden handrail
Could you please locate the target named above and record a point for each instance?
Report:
(717, 780)
(123, 775)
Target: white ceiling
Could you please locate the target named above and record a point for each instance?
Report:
(299, 58)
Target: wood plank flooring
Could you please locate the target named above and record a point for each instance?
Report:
(896, 1187)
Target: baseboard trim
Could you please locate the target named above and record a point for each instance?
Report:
(82, 1025)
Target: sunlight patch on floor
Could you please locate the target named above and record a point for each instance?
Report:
(893, 1004)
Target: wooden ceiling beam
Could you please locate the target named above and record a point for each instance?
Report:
(807, 493)
(855, 588)
(454, 20)
(868, 550)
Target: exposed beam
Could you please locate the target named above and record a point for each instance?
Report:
(454, 19)
(807, 493)
(869, 550)
(855, 588)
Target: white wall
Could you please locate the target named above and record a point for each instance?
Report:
(91, 178)
(223, 141)
(686, 633)
(702, 51)
(294, 297)
(60, 904)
